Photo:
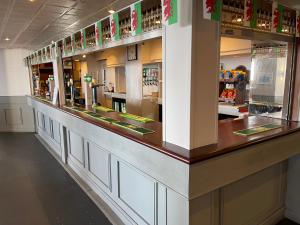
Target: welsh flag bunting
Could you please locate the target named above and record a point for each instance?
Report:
(57, 52)
(277, 17)
(212, 9)
(298, 24)
(83, 39)
(45, 53)
(250, 13)
(98, 33)
(136, 18)
(114, 27)
(73, 42)
(64, 47)
(169, 11)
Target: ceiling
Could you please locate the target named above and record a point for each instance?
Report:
(35, 23)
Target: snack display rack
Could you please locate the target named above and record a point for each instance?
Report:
(232, 88)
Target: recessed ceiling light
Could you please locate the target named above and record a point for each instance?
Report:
(7, 39)
(111, 11)
(84, 56)
(31, 0)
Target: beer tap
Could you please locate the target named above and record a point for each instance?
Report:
(94, 92)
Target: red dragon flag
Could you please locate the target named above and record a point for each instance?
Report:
(136, 18)
(277, 17)
(98, 33)
(250, 13)
(169, 12)
(114, 27)
(212, 9)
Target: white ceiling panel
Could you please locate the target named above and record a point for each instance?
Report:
(35, 24)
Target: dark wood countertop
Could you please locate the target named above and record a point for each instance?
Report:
(227, 140)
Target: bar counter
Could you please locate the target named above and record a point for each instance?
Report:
(146, 181)
(227, 140)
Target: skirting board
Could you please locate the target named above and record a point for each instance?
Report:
(275, 218)
(292, 216)
(104, 203)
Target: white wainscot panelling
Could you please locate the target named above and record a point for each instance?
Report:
(47, 122)
(99, 161)
(2, 119)
(136, 193)
(250, 200)
(13, 117)
(41, 122)
(56, 131)
(76, 148)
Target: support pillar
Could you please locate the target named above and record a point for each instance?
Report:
(191, 67)
(59, 79)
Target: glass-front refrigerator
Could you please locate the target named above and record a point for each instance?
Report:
(270, 80)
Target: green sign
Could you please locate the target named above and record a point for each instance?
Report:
(88, 78)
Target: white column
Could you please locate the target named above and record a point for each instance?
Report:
(191, 57)
(59, 79)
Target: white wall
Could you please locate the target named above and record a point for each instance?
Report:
(14, 76)
(231, 46)
(232, 61)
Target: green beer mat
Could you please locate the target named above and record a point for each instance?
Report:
(78, 109)
(128, 126)
(136, 118)
(44, 99)
(103, 109)
(96, 116)
(257, 130)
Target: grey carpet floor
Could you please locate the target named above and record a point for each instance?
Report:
(36, 190)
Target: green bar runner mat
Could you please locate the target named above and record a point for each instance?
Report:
(136, 118)
(257, 130)
(44, 99)
(78, 109)
(101, 118)
(103, 109)
(93, 115)
(128, 126)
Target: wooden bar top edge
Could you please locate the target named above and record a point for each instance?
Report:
(227, 141)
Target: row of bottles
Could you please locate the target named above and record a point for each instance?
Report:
(152, 18)
(289, 22)
(77, 44)
(125, 28)
(150, 77)
(90, 39)
(264, 19)
(68, 47)
(106, 36)
(233, 12)
(275, 50)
